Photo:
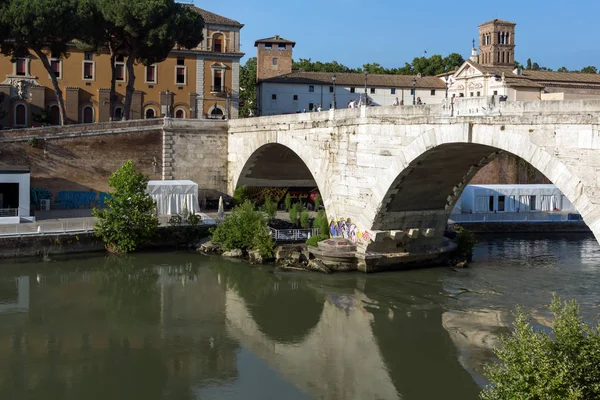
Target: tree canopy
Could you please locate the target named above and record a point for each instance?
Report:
(248, 88)
(44, 27)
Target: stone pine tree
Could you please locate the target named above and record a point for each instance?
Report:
(130, 218)
(147, 30)
(44, 28)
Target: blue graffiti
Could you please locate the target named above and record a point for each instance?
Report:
(80, 199)
(39, 194)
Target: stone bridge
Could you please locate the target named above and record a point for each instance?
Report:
(389, 176)
(394, 173)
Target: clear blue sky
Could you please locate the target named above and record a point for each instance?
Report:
(552, 33)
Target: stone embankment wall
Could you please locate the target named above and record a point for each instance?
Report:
(46, 245)
(527, 227)
(81, 158)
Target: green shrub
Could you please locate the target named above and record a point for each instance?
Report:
(313, 240)
(32, 142)
(465, 242)
(318, 202)
(130, 218)
(175, 220)
(294, 213)
(270, 208)
(562, 364)
(321, 223)
(288, 202)
(304, 219)
(240, 195)
(245, 229)
(194, 219)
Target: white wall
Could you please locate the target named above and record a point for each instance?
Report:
(285, 104)
(23, 179)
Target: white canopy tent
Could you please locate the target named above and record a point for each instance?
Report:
(171, 197)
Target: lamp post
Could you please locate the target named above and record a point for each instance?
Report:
(333, 79)
(366, 73)
(414, 83)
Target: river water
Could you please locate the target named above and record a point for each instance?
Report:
(187, 326)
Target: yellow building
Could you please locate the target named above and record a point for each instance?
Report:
(198, 83)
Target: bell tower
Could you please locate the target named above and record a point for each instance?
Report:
(497, 43)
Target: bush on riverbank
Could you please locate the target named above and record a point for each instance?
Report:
(465, 242)
(130, 219)
(562, 364)
(245, 229)
(320, 222)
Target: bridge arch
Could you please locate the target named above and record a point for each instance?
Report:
(270, 163)
(439, 163)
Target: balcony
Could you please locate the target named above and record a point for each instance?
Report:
(220, 91)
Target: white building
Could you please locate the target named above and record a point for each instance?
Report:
(283, 91)
(14, 194)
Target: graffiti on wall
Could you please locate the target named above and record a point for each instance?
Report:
(70, 199)
(348, 230)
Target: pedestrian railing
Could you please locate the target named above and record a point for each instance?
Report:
(47, 228)
(9, 212)
(292, 235)
(509, 217)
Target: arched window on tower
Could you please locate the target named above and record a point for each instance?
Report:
(507, 38)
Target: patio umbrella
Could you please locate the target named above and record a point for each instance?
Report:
(221, 211)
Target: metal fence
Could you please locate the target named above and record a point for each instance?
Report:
(292, 235)
(9, 212)
(509, 217)
(47, 228)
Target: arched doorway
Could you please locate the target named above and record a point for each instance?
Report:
(216, 113)
(87, 115)
(20, 115)
(54, 112)
(118, 114)
(180, 113)
(150, 113)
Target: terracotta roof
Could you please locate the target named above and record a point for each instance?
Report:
(520, 82)
(542, 78)
(275, 39)
(498, 21)
(358, 80)
(212, 18)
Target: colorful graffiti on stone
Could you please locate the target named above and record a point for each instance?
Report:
(348, 230)
(70, 199)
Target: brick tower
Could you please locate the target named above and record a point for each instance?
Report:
(497, 43)
(274, 57)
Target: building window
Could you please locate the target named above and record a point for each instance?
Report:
(56, 66)
(412, 92)
(311, 106)
(393, 91)
(180, 113)
(433, 92)
(501, 201)
(21, 67)
(461, 95)
(217, 81)
(151, 76)
(120, 70)
(491, 203)
(273, 96)
(118, 113)
(268, 46)
(281, 46)
(150, 113)
(87, 115)
(495, 93)
(180, 61)
(372, 90)
(20, 113)
(88, 56)
(471, 94)
(352, 90)
(295, 97)
(274, 61)
(478, 94)
(311, 88)
(217, 45)
(89, 68)
(180, 75)
(330, 89)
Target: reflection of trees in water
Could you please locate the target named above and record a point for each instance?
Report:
(130, 291)
(285, 309)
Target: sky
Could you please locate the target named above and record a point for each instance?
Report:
(553, 33)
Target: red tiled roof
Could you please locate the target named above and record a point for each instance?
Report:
(212, 18)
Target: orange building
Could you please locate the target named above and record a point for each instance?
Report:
(198, 83)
